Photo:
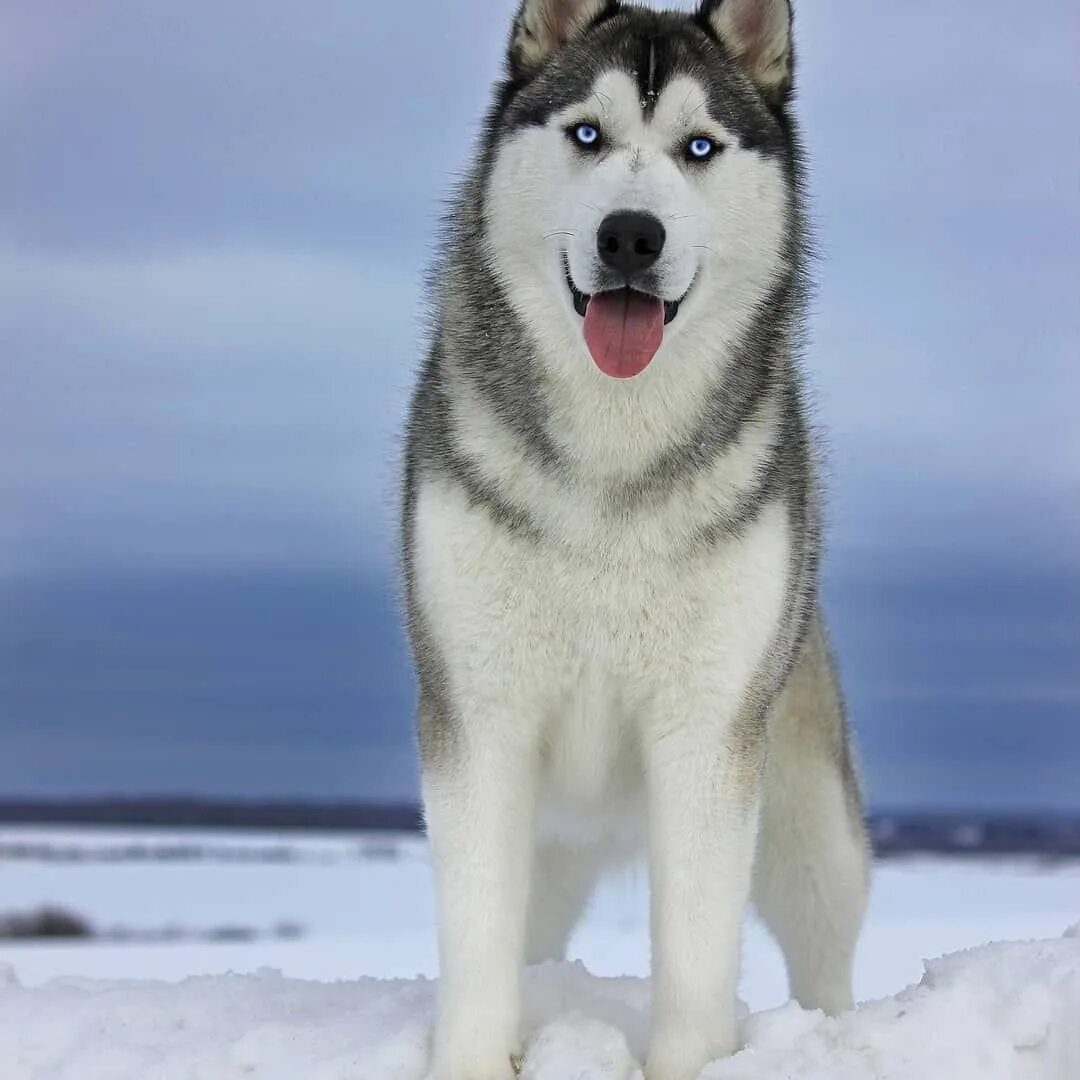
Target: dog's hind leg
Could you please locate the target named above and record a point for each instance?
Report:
(812, 868)
(563, 878)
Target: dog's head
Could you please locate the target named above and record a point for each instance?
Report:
(642, 175)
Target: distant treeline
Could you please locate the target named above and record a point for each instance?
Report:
(197, 813)
(893, 832)
(57, 922)
(904, 833)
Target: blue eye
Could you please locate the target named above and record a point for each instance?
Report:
(586, 135)
(700, 148)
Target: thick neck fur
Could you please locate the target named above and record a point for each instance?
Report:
(573, 421)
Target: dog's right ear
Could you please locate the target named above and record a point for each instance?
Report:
(542, 27)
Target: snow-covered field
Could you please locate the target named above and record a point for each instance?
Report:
(68, 1011)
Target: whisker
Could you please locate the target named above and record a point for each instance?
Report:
(559, 232)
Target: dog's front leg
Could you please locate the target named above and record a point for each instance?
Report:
(479, 796)
(703, 775)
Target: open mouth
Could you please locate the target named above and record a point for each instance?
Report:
(581, 300)
(624, 328)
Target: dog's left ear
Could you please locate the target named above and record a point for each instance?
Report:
(542, 27)
(757, 33)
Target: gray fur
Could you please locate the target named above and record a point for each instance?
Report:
(790, 709)
(474, 324)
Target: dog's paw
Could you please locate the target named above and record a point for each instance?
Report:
(579, 1047)
(683, 1055)
(511, 1072)
(472, 1069)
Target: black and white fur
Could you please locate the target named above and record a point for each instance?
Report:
(612, 584)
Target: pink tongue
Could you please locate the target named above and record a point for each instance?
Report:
(623, 331)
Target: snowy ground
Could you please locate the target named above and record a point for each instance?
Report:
(366, 908)
(1003, 1012)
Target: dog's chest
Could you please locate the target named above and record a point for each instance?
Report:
(588, 753)
(577, 654)
(562, 633)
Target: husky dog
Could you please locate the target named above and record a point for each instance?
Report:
(611, 533)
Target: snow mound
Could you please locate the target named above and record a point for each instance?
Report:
(999, 1012)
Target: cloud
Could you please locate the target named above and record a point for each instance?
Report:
(336, 126)
(218, 220)
(162, 406)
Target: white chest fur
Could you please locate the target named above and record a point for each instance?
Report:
(574, 653)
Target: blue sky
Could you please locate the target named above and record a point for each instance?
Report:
(214, 220)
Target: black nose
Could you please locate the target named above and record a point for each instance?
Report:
(630, 241)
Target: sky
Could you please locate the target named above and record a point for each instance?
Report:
(214, 223)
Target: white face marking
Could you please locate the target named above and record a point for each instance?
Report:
(724, 219)
(641, 167)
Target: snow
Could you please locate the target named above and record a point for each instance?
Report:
(196, 1010)
(1000, 1012)
(367, 908)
